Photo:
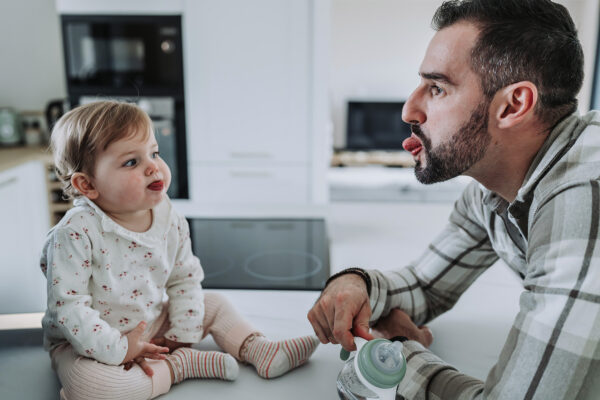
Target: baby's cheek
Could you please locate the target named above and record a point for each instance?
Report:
(166, 172)
(134, 186)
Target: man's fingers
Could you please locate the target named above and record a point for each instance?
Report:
(325, 327)
(316, 324)
(158, 341)
(343, 325)
(426, 336)
(360, 325)
(327, 312)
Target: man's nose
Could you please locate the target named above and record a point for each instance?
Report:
(412, 112)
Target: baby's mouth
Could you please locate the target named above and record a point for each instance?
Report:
(156, 186)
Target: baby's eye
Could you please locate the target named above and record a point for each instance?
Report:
(130, 163)
(155, 154)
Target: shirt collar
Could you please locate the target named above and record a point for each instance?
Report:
(160, 219)
(556, 144)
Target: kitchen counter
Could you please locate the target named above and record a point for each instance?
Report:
(377, 235)
(13, 156)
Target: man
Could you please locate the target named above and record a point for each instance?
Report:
(496, 102)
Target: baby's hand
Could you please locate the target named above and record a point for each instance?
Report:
(139, 349)
(163, 341)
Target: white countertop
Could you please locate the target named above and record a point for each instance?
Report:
(369, 235)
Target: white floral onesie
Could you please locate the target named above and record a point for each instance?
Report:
(104, 279)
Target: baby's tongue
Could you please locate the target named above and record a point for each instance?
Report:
(413, 145)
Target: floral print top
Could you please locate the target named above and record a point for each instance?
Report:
(104, 279)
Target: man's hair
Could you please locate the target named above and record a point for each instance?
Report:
(83, 132)
(523, 40)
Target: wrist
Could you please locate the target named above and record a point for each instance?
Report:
(354, 271)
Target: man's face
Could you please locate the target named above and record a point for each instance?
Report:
(448, 112)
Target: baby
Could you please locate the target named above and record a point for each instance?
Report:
(125, 300)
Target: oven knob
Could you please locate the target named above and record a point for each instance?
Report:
(167, 46)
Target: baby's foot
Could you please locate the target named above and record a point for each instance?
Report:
(273, 359)
(191, 363)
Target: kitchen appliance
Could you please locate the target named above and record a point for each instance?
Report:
(134, 58)
(376, 125)
(11, 133)
(54, 110)
(285, 254)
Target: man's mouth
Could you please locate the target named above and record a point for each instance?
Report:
(156, 186)
(412, 145)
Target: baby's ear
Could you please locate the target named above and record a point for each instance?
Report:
(84, 185)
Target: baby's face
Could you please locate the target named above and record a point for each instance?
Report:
(130, 176)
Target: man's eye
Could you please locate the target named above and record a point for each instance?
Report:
(130, 163)
(436, 90)
(155, 154)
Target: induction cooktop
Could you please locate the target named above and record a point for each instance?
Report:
(283, 254)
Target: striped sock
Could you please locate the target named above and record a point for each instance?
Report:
(273, 359)
(191, 363)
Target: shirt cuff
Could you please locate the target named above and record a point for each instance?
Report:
(421, 367)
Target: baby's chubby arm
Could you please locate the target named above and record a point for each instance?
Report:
(186, 299)
(68, 260)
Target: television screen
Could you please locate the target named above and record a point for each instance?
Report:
(375, 125)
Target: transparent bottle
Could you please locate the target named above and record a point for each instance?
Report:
(373, 371)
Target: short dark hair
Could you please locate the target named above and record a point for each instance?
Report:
(523, 40)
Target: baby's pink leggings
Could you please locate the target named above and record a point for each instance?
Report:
(85, 378)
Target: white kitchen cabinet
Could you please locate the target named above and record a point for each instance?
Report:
(23, 226)
(231, 184)
(256, 99)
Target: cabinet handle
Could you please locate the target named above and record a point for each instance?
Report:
(8, 181)
(250, 174)
(249, 154)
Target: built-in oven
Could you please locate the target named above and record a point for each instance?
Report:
(134, 58)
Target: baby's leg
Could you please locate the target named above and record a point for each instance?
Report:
(85, 378)
(236, 336)
(227, 327)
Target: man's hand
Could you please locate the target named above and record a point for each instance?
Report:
(398, 323)
(139, 349)
(171, 345)
(342, 312)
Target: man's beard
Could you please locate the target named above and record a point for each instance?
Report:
(453, 157)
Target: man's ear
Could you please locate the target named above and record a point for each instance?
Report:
(515, 103)
(84, 185)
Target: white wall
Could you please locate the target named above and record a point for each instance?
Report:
(31, 54)
(377, 47)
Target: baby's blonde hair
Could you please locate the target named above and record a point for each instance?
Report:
(83, 132)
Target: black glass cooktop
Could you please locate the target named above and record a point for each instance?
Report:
(286, 254)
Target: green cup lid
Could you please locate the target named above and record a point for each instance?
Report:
(375, 369)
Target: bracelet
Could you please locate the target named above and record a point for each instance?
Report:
(357, 271)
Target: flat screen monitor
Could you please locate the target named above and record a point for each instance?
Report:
(375, 125)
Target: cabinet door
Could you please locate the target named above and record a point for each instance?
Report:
(228, 184)
(248, 79)
(24, 222)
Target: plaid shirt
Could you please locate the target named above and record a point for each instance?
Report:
(549, 237)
